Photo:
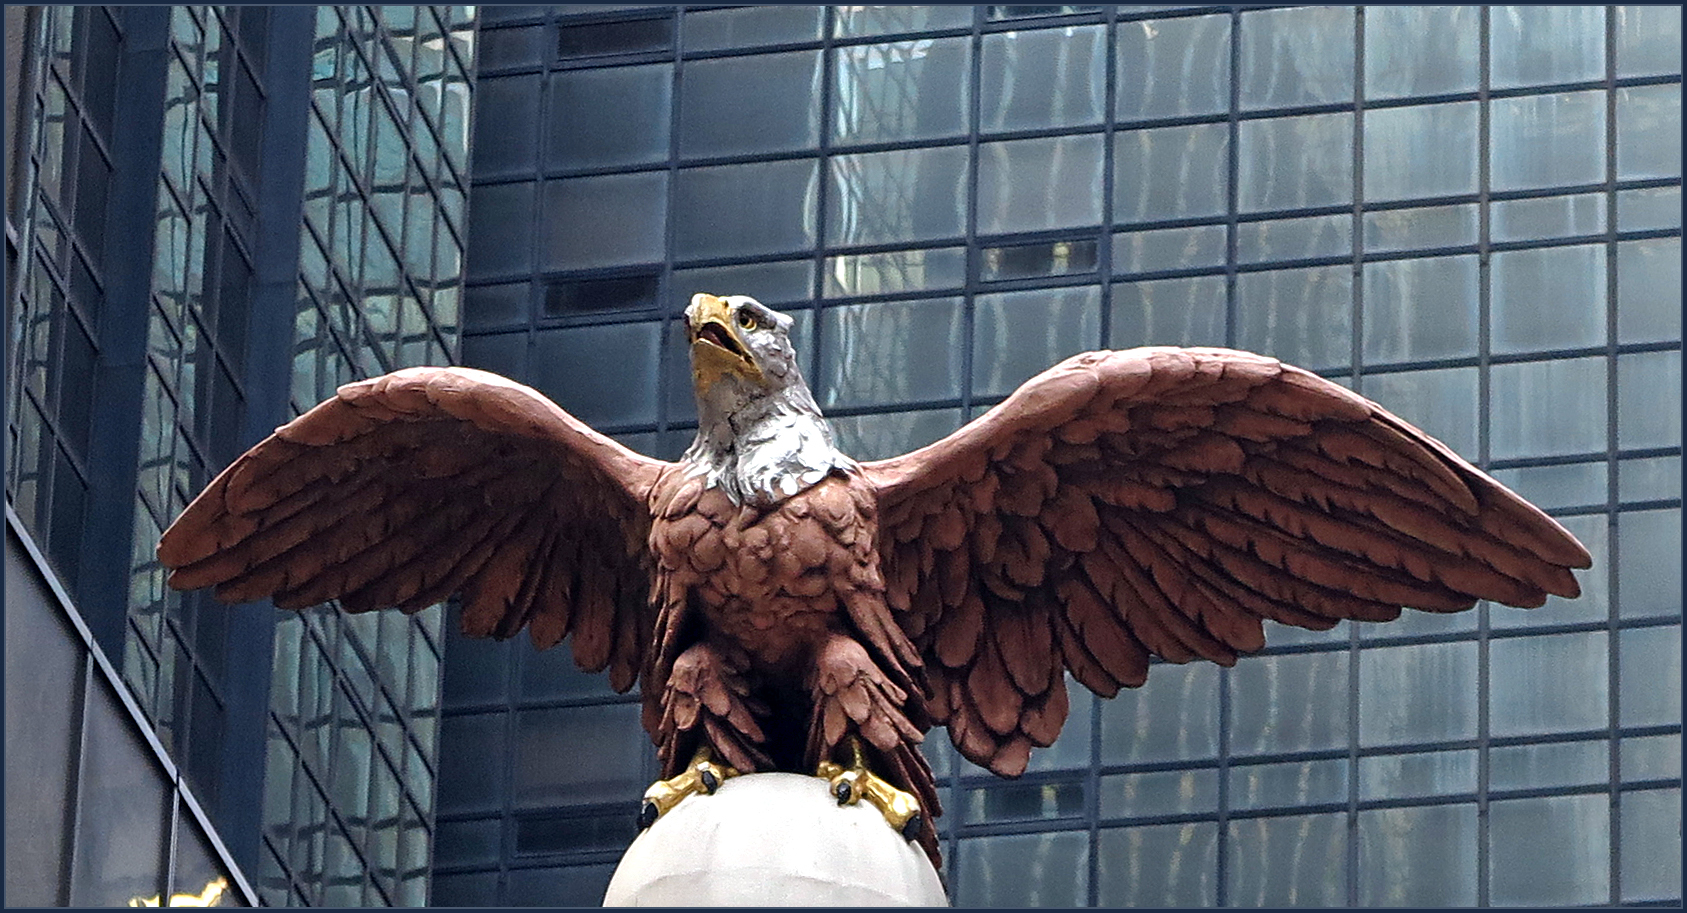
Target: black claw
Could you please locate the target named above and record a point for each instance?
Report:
(710, 781)
(912, 828)
(842, 792)
(647, 815)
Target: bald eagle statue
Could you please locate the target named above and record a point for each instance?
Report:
(785, 607)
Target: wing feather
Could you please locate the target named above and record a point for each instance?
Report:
(405, 489)
(1166, 501)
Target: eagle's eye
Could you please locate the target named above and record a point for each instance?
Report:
(747, 320)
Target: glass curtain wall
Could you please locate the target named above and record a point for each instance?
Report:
(1472, 215)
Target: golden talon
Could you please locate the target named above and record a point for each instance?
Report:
(854, 783)
(704, 776)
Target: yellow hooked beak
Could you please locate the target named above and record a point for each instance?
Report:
(717, 346)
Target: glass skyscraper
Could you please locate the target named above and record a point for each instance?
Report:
(1472, 215)
(215, 215)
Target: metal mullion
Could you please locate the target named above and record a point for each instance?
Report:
(1484, 406)
(1232, 234)
(1356, 361)
(1613, 663)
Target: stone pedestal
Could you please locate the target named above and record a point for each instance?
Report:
(773, 839)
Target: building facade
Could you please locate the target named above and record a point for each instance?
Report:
(1472, 215)
(215, 215)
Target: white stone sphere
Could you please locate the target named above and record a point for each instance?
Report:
(773, 840)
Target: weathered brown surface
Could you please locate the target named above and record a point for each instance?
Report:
(1122, 505)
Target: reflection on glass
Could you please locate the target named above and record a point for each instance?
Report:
(1649, 207)
(903, 90)
(882, 435)
(1288, 861)
(1651, 845)
(1548, 217)
(1554, 850)
(1023, 802)
(1417, 229)
(1169, 792)
(1170, 173)
(1294, 239)
(1648, 40)
(1043, 78)
(1166, 865)
(610, 220)
(1029, 870)
(1293, 162)
(1418, 857)
(895, 271)
(506, 128)
(1420, 151)
(1550, 298)
(1543, 140)
(1441, 679)
(1564, 485)
(607, 116)
(1649, 562)
(1649, 290)
(1174, 717)
(770, 282)
(1649, 479)
(1295, 783)
(209, 896)
(1648, 132)
(1547, 408)
(1045, 258)
(901, 351)
(1174, 67)
(604, 745)
(1175, 312)
(743, 210)
(1653, 698)
(1168, 249)
(1018, 334)
(1420, 309)
(1401, 59)
(771, 97)
(1303, 316)
(501, 229)
(858, 21)
(1298, 56)
(1546, 44)
(1036, 184)
(1399, 776)
(1285, 703)
(902, 195)
(1649, 400)
(714, 30)
(605, 375)
(1548, 683)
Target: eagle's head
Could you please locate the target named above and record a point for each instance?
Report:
(760, 435)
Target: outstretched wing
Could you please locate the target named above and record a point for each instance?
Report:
(405, 489)
(1166, 501)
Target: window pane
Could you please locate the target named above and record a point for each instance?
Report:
(1420, 151)
(1302, 316)
(1168, 249)
(1296, 861)
(603, 375)
(1649, 290)
(501, 230)
(609, 116)
(1043, 78)
(902, 195)
(1418, 857)
(1548, 683)
(1418, 693)
(772, 282)
(1651, 845)
(1037, 260)
(1549, 217)
(857, 21)
(1653, 478)
(605, 747)
(1415, 50)
(121, 811)
(1297, 57)
(1168, 865)
(605, 221)
(1401, 776)
(1545, 408)
(500, 353)
(1293, 162)
(1552, 298)
(506, 135)
(1420, 309)
(1174, 717)
(1170, 173)
(1650, 694)
(1593, 530)
(1548, 766)
(1648, 41)
(1554, 850)
(884, 435)
(1019, 334)
(770, 97)
(632, 36)
(1168, 792)
(1417, 229)
(1287, 703)
(901, 351)
(1440, 402)
(1174, 312)
(1649, 132)
(714, 30)
(1547, 44)
(1548, 487)
(1656, 757)
(1031, 870)
(1543, 140)
(1035, 184)
(509, 47)
(1649, 207)
(1294, 239)
(1174, 67)
(741, 210)
(895, 271)
(1295, 783)
(1649, 400)
(904, 90)
(1649, 562)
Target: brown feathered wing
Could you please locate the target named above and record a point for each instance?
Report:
(405, 489)
(1165, 501)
